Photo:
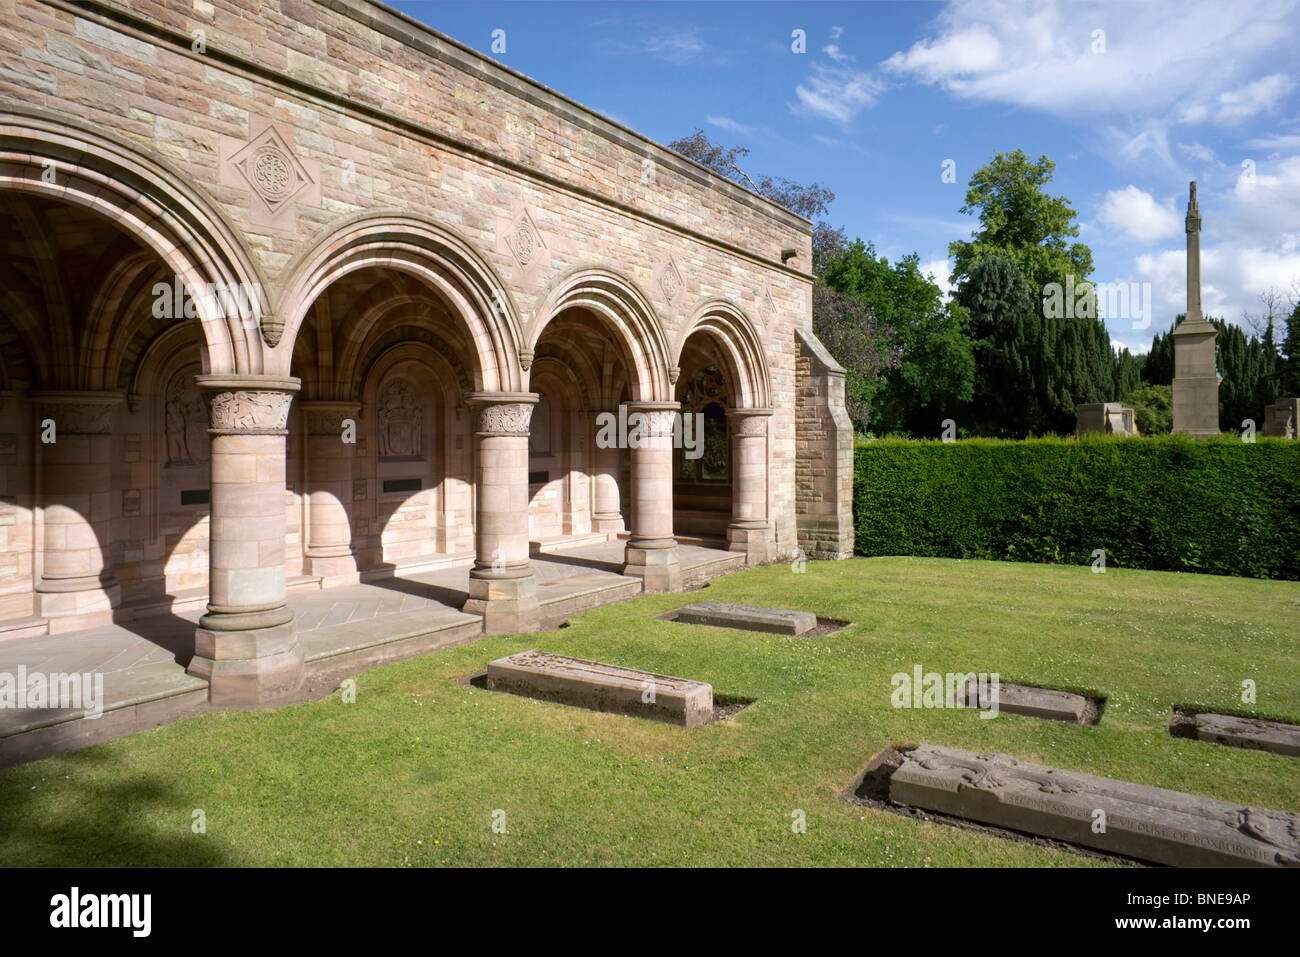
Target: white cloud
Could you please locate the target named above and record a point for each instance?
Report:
(836, 93)
(1262, 96)
(1170, 59)
(835, 53)
(941, 271)
(1198, 152)
(1135, 215)
(728, 124)
(675, 47)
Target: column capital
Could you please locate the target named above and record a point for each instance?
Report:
(248, 404)
(502, 413)
(750, 422)
(78, 413)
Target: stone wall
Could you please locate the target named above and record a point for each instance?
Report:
(824, 476)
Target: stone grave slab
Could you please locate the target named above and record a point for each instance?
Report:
(1148, 823)
(723, 614)
(601, 687)
(1035, 702)
(1254, 733)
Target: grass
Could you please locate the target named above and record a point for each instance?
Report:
(413, 771)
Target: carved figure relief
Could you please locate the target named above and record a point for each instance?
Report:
(185, 422)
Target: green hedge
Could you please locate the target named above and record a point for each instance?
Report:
(1219, 506)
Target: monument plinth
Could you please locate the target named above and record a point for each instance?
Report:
(1196, 380)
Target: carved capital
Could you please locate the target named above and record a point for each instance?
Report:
(248, 404)
(659, 417)
(502, 413)
(749, 421)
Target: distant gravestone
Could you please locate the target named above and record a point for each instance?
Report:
(1253, 733)
(1134, 820)
(748, 617)
(601, 687)
(1282, 419)
(1033, 702)
(1104, 418)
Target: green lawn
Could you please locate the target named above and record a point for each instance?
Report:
(412, 773)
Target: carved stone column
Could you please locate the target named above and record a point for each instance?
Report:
(606, 516)
(502, 587)
(329, 492)
(76, 588)
(246, 645)
(651, 552)
(750, 531)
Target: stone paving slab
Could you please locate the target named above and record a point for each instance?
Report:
(602, 687)
(1035, 702)
(781, 621)
(1148, 823)
(1253, 733)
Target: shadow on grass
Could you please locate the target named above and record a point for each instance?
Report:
(98, 816)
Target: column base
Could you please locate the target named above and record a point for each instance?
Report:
(72, 606)
(655, 563)
(507, 601)
(333, 569)
(752, 538)
(608, 525)
(246, 662)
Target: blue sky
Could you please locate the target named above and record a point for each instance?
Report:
(1167, 92)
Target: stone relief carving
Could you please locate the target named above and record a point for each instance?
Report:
(185, 422)
(79, 418)
(242, 411)
(269, 166)
(507, 418)
(400, 420)
(749, 424)
(670, 280)
(539, 440)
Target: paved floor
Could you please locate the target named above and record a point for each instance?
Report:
(143, 660)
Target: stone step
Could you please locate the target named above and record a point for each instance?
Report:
(27, 627)
(1143, 822)
(602, 687)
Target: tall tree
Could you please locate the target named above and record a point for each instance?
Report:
(848, 327)
(935, 368)
(1012, 395)
(1288, 379)
(1020, 221)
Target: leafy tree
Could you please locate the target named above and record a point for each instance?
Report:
(1020, 221)
(935, 368)
(1012, 397)
(1288, 377)
(1153, 408)
(808, 201)
(849, 329)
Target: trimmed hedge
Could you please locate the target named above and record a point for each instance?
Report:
(1169, 502)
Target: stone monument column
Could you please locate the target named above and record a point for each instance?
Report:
(605, 516)
(502, 587)
(1196, 380)
(329, 492)
(750, 531)
(246, 645)
(651, 552)
(76, 588)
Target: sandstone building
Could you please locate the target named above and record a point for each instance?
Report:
(297, 295)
